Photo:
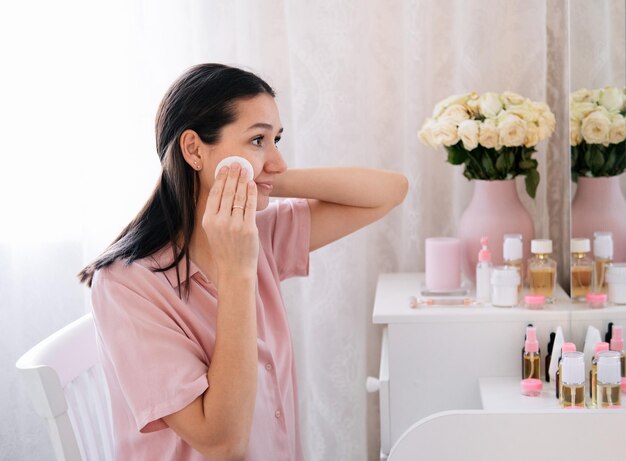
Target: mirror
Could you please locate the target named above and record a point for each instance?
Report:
(597, 133)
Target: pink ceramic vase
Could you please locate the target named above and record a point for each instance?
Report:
(494, 210)
(599, 205)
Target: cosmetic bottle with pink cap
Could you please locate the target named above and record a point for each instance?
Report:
(532, 357)
(617, 344)
(483, 272)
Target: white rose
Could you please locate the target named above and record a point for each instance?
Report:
(511, 99)
(546, 124)
(611, 98)
(488, 134)
(595, 128)
(532, 135)
(489, 104)
(473, 104)
(512, 130)
(617, 131)
(446, 133)
(468, 132)
(575, 136)
(526, 111)
(449, 101)
(578, 111)
(427, 133)
(582, 95)
(456, 113)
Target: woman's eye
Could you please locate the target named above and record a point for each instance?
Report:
(257, 141)
(277, 139)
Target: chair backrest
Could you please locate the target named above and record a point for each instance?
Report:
(65, 381)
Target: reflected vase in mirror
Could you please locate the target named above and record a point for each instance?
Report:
(494, 210)
(599, 205)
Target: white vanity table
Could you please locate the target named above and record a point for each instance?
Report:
(437, 359)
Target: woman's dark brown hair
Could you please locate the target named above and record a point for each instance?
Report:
(203, 100)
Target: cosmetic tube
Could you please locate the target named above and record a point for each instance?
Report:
(593, 372)
(609, 379)
(567, 347)
(573, 377)
(483, 272)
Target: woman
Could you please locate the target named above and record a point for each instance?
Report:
(191, 325)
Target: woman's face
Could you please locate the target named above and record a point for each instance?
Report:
(253, 135)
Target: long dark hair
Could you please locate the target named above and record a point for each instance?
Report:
(203, 100)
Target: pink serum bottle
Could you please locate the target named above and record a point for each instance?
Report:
(573, 377)
(483, 272)
(532, 356)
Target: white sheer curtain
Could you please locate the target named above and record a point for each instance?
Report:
(355, 80)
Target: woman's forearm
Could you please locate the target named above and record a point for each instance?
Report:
(352, 186)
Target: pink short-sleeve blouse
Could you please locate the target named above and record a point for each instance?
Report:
(156, 347)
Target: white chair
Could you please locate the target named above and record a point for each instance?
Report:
(65, 381)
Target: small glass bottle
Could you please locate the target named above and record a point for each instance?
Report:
(617, 344)
(542, 269)
(602, 257)
(573, 379)
(616, 280)
(567, 347)
(581, 269)
(513, 255)
(593, 373)
(483, 272)
(609, 379)
(504, 282)
(532, 355)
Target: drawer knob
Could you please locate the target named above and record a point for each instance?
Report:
(372, 384)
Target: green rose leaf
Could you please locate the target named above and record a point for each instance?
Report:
(532, 181)
(456, 156)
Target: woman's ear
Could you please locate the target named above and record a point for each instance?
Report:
(190, 146)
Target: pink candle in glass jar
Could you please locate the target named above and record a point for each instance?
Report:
(443, 263)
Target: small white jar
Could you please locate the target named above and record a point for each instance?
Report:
(616, 279)
(504, 282)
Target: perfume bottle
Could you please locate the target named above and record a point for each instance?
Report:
(593, 373)
(573, 378)
(602, 257)
(513, 255)
(581, 269)
(483, 272)
(542, 269)
(532, 355)
(609, 379)
(567, 347)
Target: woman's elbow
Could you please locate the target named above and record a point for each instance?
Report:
(400, 190)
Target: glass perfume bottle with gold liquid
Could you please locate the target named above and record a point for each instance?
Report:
(542, 269)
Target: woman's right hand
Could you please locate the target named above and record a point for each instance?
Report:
(229, 222)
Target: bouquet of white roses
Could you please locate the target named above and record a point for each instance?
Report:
(598, 132)
(493, 135)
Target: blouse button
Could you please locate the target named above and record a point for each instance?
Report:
(277, 413)
(268, 366)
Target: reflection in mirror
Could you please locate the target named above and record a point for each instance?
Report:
(597, 138)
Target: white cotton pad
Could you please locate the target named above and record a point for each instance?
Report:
(236, 159)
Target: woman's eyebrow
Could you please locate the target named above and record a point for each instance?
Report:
(266, 126)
